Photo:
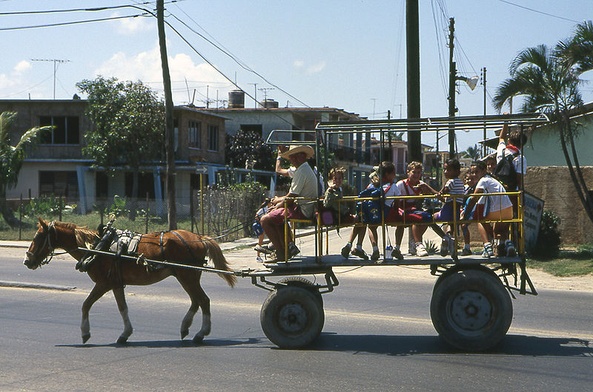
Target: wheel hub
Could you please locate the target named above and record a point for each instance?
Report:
(471, 311)
(292, 318)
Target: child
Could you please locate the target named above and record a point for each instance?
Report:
(497, 207)
(453, 186)
(261, 211)
(470, 186)
(413, 186)
(358, 232)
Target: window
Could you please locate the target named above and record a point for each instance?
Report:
(66, 130)
(194, 134)
(213, 137)
(255, 128)
(58, 183)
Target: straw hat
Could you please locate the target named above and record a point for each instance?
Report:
(308, 150)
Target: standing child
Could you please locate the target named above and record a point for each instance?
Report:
(470, 186)
(450, 210)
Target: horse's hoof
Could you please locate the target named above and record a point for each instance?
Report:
(122, 340)
(86, 337)
(198, 339)
(184, 334)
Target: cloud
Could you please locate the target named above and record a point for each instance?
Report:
(135, 25)
(22, 66)
(309, 69)
(186, 75)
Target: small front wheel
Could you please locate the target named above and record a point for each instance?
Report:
(292, 317)
(471, 309)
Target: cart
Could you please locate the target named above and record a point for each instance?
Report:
(471, 307)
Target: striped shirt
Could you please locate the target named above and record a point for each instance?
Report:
(455, 186)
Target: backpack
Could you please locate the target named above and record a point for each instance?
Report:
(370, 210)
(505, 172)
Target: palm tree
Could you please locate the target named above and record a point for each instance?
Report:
(578, 50)
(549, 84)
(11, 161)
(472, 152)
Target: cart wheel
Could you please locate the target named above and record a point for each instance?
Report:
(471, 309)
(299, 281)
(292, 317)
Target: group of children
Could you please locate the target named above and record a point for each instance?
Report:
(468, 205)
(461, 200)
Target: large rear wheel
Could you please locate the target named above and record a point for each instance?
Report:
(471, 309)
(292, 316)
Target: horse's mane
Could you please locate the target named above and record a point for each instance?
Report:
(85, 237)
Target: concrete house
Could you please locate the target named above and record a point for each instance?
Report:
(57, 166)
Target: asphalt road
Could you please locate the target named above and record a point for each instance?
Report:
(377, 336)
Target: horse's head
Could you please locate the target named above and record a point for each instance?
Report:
(41, 247)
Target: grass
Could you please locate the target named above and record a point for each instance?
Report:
(93, 220)
(570, 262)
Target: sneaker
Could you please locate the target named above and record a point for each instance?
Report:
(511, 251)
(359, 252)
(346, 251)
(397, 254)
(263, 249)
(466, 252)
(259, 259)
(293, 250)
(445, 243)
(375, 255)
(421, 250)
(488, 252)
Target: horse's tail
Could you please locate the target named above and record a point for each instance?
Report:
(220, 262)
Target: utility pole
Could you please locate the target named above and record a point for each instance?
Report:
(452, 79)
(169, 133)
(56, 62)
(413, 78)
(485, 135)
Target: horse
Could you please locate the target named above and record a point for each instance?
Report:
(110, 273)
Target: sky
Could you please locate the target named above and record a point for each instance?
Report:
(347, 54)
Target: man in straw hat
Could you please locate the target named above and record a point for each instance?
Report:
(303, 185)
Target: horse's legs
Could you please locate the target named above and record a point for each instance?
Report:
(191, 283)
(85, 327)
(120, 298)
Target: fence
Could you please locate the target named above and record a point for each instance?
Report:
(225, 214)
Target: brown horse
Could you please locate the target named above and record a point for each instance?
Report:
(109, 273)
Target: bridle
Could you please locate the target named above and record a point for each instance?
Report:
(47, 243)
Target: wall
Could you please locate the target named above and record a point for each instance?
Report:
(553, 185)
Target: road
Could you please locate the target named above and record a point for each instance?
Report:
(377, 336)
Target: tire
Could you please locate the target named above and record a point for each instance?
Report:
(292, 317)
(299, 281)
(471, 310)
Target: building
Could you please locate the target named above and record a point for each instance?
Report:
(57, 165)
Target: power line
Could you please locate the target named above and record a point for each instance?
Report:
(539, 12)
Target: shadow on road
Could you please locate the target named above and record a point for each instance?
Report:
(411, 345)
(170, 343)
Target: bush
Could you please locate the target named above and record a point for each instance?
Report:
(548, 240)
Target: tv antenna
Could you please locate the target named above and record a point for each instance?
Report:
(56, 62)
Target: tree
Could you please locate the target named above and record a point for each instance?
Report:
(246, 149)
(549, 81)
(472, 152)
(128, 126)
(11, 160)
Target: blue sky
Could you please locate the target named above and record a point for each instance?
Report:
(348, 54)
